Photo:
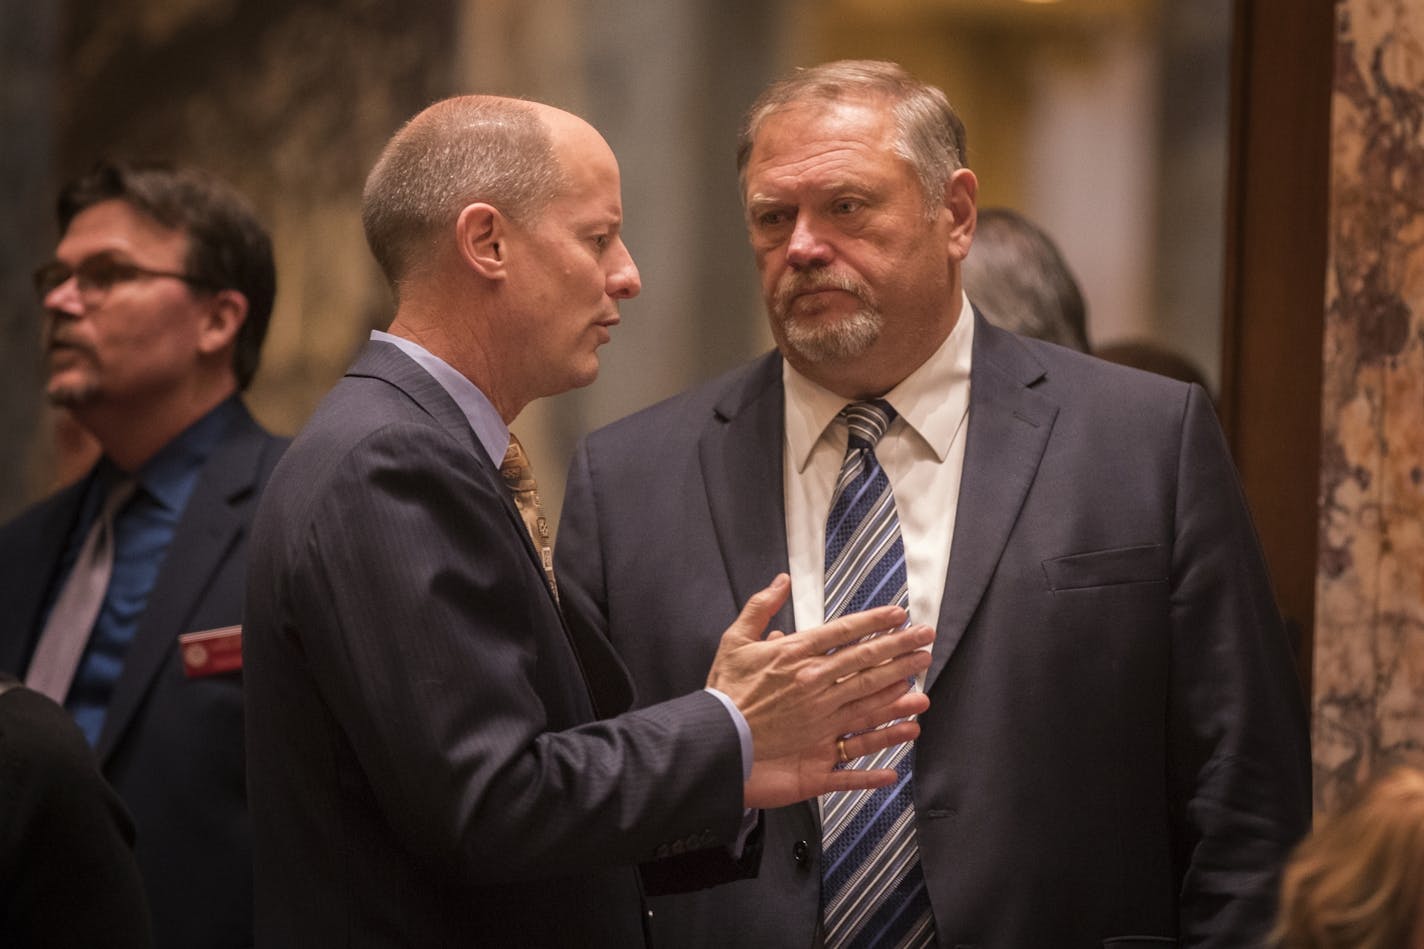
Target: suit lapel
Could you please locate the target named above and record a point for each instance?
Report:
(609, 686)
(385, 361)
(31, 557)
(212, 522)
(741, 454)
(1009, 425)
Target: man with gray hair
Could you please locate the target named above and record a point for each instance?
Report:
(435, 758)
(1116, 754)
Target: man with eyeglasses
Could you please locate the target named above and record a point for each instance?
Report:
(121, 596)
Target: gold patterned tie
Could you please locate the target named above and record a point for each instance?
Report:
(519, 476)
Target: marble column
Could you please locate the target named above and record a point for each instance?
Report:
(1369, 650)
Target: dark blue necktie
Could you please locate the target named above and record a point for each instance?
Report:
(872, 889)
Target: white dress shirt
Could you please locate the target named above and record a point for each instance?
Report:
(922, 454)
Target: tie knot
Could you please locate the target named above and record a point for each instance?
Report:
(867, 422)
(118, 495)
(515, 469)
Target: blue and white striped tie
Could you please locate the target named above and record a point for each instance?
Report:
(872, 890)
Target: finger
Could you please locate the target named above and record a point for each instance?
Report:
(877, 651)
(850, 628)
(867, 682)
(850, 780)
(868, 743)
(759, 609)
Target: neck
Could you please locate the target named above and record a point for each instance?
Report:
(461, 345)
(131, 435)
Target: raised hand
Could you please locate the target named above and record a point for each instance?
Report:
(798, 697)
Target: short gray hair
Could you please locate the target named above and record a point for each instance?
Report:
(930, 135)
(455, 153)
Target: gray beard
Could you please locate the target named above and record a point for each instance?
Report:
(845, 339)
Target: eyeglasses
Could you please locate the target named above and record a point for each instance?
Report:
(96, 276)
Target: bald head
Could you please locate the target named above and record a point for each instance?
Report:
(458, 152)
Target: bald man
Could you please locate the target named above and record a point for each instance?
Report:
(436, 759)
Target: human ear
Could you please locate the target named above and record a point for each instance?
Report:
(222, 318)
(961, 193)
(480, 235)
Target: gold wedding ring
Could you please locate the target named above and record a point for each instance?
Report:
(840, 747)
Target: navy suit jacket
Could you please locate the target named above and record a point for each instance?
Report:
(171, 746)
(1116, 749)
(430, 757)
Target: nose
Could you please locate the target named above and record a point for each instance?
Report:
(624, 283)
(805, 249)
(65, 298)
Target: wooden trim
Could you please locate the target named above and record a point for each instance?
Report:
(1277, 241)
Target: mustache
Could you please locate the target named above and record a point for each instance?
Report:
(56, 339)
(796, 283)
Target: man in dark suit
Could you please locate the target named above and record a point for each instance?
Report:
(435, 759)
(1116, 753)
(157, 299)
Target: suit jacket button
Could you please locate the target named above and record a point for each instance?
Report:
(802, 852)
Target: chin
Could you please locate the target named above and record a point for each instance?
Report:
(584, 375)
(819, 341)
(71, 394)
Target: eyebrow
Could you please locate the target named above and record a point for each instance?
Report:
(761, 199)
(833, 186)
(109, 253)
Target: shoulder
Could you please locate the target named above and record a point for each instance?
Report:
(362, 421)
(248, 447)
(688, 413)
(370, 447)
(1081, 386)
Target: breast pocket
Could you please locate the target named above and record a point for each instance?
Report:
(1144, 563)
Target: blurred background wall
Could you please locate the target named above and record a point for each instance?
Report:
(1104, 120)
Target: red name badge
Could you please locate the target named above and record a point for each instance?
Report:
(211, 652)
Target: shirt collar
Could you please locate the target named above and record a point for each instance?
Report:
(484, 419)
(168, 477)
(932, 400)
